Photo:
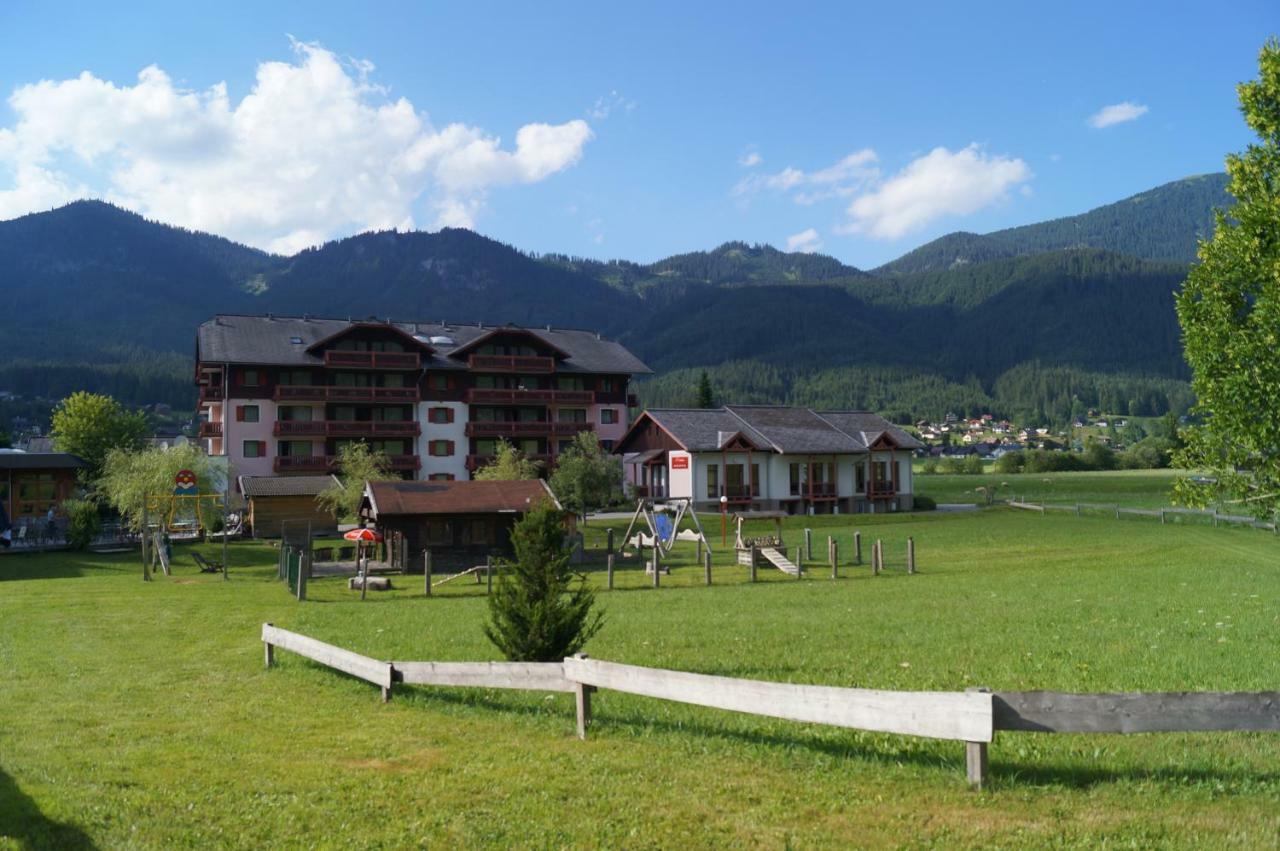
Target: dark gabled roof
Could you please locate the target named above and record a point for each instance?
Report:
(255, 486)
(475, 343)
(267, 340)
(798, 431)
(463, 497)
(40, 461)
(866, 427)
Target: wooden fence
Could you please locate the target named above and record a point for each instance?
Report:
(1164, 514)
(972, 716)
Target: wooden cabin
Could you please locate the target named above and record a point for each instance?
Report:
(277, 500)
(31, 483)
(460, 522)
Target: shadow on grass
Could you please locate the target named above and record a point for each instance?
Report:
(65, 564)
(21, 820)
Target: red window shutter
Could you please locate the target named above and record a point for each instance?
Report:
(448, 415)
(239, 413)
(448, 447)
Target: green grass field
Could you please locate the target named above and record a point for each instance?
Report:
(1129, 488)
(140, 715)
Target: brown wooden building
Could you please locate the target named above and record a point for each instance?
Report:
(33, 482)
(461, 522)
(276, 500)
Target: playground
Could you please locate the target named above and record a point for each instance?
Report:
(168, 675)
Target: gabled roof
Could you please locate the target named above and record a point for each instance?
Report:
(792, 431)
(229, 338)
(462, 497)
(254, 486)
(40, 461)
(507, 330)
(413, 342)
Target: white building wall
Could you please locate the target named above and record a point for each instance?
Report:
(455, 431)
(606, 431)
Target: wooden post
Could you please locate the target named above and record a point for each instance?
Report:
(857, 548)
(975, 756)
(608, 547)
(1117, 512)
(1077, 509)
(877, 557)
(386, 694)
(657, 563)
(364, 573)
(911, 554)
(304, 568)
(609, 569)
(426, 572)
(706, 567)
(582, 694)
(269, 651)
(799, 563)
(1215, 518)
(752, 562)
(835, 559)
(699, 549)
(808, 544)
(488, 574)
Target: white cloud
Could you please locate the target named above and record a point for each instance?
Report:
(940, 183)
(606, 104)
(312, 152)
(807, 241)
(843, 178)
(750, 158)
(1117, 113)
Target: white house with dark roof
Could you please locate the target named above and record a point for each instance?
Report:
(771, 458)
(281, 395)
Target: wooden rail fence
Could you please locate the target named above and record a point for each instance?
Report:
(972, 716)
(1162, 513)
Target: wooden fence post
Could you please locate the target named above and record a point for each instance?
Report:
(699, 550)
(752, 562)
(835, 559)
(808, 544)
(857, 548)
(1162, 517)
(426, 572)
(304, 569)
(269, 650)
(609, 569)
(911, 554)
(657, 563)
(1215, 518)
(608, 547)
(975, 756)
(582, 693)
(799, 562)
(706, 566)
(877, 557)
(488, 574)
(1077, 509)
(1117, 512)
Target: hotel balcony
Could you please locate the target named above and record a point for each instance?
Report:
(816, 490)
(315, 393)
(346, 428)
(520, 364)
(210, 429)
(324, 463)
(372, 360)
(211, 393)
(525, 429)
(882, 490)
(494, 396)
(475, 462)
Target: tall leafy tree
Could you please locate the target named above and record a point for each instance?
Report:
(586, 476)
(357, 464)
(90, 425)
(509, 465)
(130, 479)
(540, 610)
(1229, 308)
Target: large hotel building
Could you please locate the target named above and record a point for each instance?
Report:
(281, 395)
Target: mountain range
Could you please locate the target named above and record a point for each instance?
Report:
(1036, 320)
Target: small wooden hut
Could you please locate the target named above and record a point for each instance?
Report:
(277, 500)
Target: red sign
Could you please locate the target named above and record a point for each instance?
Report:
(679, 462)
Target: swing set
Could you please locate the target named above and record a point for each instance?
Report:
(664, 529)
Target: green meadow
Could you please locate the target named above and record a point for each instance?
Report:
(140, 714)
(1128, 488)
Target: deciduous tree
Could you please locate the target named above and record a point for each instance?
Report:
(586, 476)
(357, 464)
(509, 465)
(90, 425)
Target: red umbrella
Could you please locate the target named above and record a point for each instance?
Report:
(362, 535)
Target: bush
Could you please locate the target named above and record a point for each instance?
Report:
(83, 522)
(537, 612)
(924, 503)
(1011, 462)
(930, 467)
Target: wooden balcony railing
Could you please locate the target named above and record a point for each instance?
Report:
(525, 429)
(738, 493)
(347, 428)
(323, 463)
(211, 393)
(882, 490)
(316, 393)
(210, 429)
(494, 396)
(522, 364)
(822, 490)
(372, 360)
(475, 462)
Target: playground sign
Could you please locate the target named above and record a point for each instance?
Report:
(184, 483)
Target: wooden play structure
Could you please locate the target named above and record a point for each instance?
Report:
(770, 547)
(664, 530)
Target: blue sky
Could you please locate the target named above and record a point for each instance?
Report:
(860, 131)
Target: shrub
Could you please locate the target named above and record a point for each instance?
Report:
(924, 503)
(538, 612)
(83, 522)
(1011, 462)
(930, 467)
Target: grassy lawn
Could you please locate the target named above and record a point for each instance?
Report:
(1129, 488)
(140, 714)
